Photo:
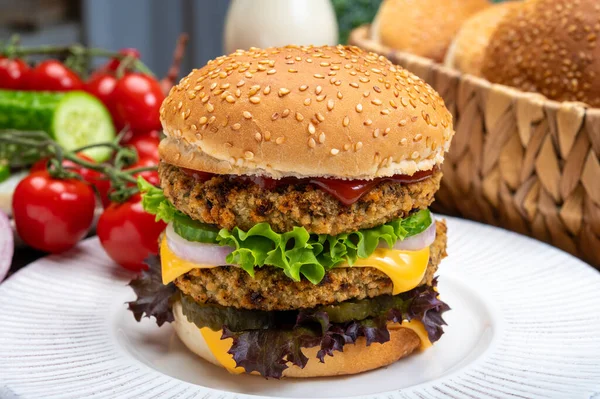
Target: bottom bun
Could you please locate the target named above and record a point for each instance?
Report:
(356, 358)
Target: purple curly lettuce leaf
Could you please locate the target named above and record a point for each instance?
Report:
(269, 351)
(153, 297)
(428, 308)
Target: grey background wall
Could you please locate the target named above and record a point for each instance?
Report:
(152, 26)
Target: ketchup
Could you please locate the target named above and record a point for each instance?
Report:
(346, 191)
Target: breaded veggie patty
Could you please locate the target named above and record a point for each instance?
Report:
(271, 289)
(228, 203)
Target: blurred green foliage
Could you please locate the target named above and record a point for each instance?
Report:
(353, 13)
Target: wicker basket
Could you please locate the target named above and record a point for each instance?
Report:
(518, 160)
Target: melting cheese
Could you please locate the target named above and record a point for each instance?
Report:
(219, 347)
(405, 268)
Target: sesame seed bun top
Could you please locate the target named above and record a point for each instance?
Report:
(468, 48)
(422, 27)
(551, 47)
(305, 111)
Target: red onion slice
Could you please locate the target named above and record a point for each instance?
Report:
(6, 245)
(417, 242)
(197, 252)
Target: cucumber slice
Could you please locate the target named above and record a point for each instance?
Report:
(192, 230)
(73, 119)
(80, 119)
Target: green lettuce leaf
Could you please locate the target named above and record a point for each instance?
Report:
(297, 252)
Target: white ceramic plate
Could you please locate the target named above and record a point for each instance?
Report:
(525, 324)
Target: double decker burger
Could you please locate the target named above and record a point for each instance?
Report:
(296, 183)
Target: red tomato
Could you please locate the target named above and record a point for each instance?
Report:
(90, 176)
(13, 73)
(52, 75)
(102, 85)
(146, 145)
(137, 99)
(114, 63)
(152, 175)
(52, 215)
(129, 234)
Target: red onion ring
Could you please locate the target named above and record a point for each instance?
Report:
(197, 252)
(419, 241)
(6, 245)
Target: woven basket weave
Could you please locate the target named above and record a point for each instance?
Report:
(518, 160)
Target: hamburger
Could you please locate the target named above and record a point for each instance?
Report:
(296, 183)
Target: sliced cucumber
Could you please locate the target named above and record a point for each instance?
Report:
(73, 119)
(193, 230)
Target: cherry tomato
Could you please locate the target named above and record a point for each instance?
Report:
(114, 63)
(90, 176)
(152, 175)
(137, 99)
(13, 73)
(129, 234)
(102, 85)
(146, 144)
(52, 75)
(52, 215)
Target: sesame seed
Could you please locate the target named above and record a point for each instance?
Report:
(267, 136)
(375, 132)
(364, 80)
(311, 128)
(236, 126)
(368, 122)
(213, 86)
(393, 104)
(291, 70)
(418, 138)
(203, 120)
(319, 76)
(404, 101)
(312, 143)
(303, 87)
(191, 95)
(366, 93)
(212, 119)
(321, 137)
(280, 140)
(403, 142)
(318, 90)
(330, 104)
(283, 91)
(247, 115)
(387, 131)
(324, 64)
(359, 108)
(346, 121)
(307, 101)
(186, 114)
(271, 72)
(320, 117)
(248, 155)
(385, 112)
(346, 147)
(415, 155)
(340, 95)
(180, 105)
(199, 136)
(222, 74)
(354, 84)
(258, 137)
(299, 117)
(241, 83)
(358, 146)
(274, 116)
(248, 75)
(254, 100)
(334, 151)
(230, 99)
(194, 127)
(403, 122)
(225, 86)
(377, 89)
(376, 101)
